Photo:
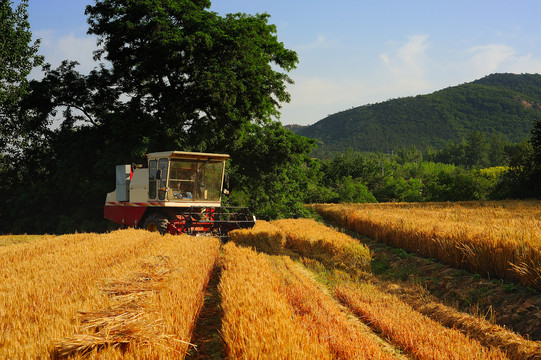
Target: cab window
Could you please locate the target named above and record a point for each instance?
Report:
(152, 168)
(163, 165)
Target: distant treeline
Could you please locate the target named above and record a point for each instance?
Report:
(478, 168)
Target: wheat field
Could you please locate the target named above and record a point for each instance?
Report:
(287, 289)
(496, 239)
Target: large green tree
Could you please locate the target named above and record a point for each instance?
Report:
(535, 177)
(18, 55)
(536, 142)
(199, 76)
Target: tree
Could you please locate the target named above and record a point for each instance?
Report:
(271, 172)
(199, 75)
(497, 154)
(353, 191)
(408, 155)
(18, 55)
(536, 142)
(476, 150)
(523, 179)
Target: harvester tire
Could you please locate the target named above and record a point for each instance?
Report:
(156, 222)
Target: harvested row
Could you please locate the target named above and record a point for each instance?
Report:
(323, 316)
(49, 282)
(492, 238)
(264, 237)
(258, 322)
(312, 239)
(152, 312)
(46, 282)
(414, 333)
(488, 334)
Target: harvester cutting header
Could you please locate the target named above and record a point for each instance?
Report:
(176, 192)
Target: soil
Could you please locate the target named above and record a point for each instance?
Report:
(206, 338)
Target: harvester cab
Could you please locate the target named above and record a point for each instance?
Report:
(176, 192)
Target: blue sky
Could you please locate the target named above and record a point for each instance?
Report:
(354, 53)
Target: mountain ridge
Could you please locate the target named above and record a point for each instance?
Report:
(498, 104)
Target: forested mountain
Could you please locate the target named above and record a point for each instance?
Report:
(506, 104)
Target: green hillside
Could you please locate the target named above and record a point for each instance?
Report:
(505, 104)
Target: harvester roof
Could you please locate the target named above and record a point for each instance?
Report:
(187, 155)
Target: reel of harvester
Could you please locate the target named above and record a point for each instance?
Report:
(211, 221)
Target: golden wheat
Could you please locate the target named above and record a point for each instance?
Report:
(414, 333)
(514, 345)
(258, 322)
(19, 239)
(492, 238)
(46, 282)
(312, 239)
(142, 289)
(322, 316)
(263, 237)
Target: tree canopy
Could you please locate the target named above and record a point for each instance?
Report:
(196, 76)
(18, 55)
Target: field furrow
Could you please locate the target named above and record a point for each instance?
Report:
(324, 317)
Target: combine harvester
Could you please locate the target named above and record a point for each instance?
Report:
(176, 193)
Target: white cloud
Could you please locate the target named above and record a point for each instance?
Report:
(492, 58)
(57, 48)
(525, 64)
(336, 93)
(403, 73)
(320, 43)
(413, 52)
(314, 98)
(488, 58)
(385, 59)
(405, 69)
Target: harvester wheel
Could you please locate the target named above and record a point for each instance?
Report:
(156, 222)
